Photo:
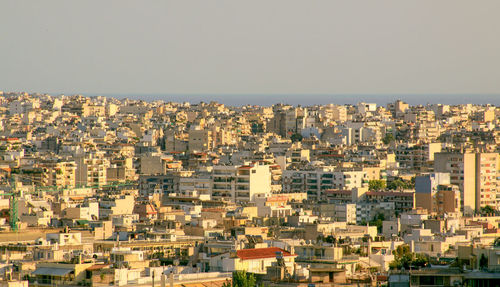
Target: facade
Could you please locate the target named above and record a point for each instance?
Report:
(98, 191)
(462, 169)
(241, 183)
(416, 156)
(487, 184)
(475, 174)
(434, 193)
(257, 260)
(200, 140)
(91, 171)
(316, 182)
(345, 213)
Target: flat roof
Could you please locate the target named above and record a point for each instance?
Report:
(52, 271)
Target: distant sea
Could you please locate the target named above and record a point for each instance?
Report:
(314, 99)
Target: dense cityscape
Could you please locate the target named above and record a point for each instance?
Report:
(98, 191)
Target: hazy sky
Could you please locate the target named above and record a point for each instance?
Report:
(251, 47)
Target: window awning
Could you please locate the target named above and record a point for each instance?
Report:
(52, 271)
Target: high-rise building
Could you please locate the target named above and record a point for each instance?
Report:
(475, 174)
(462, 169)
(487, 192)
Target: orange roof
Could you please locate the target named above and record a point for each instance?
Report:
(150, 209)
(261, 253)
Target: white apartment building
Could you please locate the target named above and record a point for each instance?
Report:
(63, 174)
(334, 113)
(314, 182)
(345, 213)
(241, 183)
(366, 108)
(91, 170)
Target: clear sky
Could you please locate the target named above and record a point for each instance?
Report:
(251, 47)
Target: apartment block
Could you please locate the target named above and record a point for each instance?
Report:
(315, 182)
(476, 174)
(241, 183)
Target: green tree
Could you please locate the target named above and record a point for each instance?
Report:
(331, 239)
(403, 258)
(420, 260)
(497, 242)
(412, 182)
(395, 184)
(388, 138)
(399, 184)
(487, 210)
(376, 184)
(378, 220)
(296, 137)
(483, 262)
(401, 250)
(243, 279)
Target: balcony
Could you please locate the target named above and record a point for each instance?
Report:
(221, 188)
(243, 195)
(223, 180)
(222, 174)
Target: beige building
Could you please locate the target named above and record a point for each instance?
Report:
(241, 183)
(66, 238)
(462, 169)
(316, 182)
(416, 156)
(487, 189)
(398, 108)
(87, 211)
(201, 140)
(93, 110)
(116, 206)
(62, 274)
(91, 170)
(125, 257)
(61, 173)
(254, 260)
(319, 251)
(475, 174)
(434, 193)
(447, 199)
